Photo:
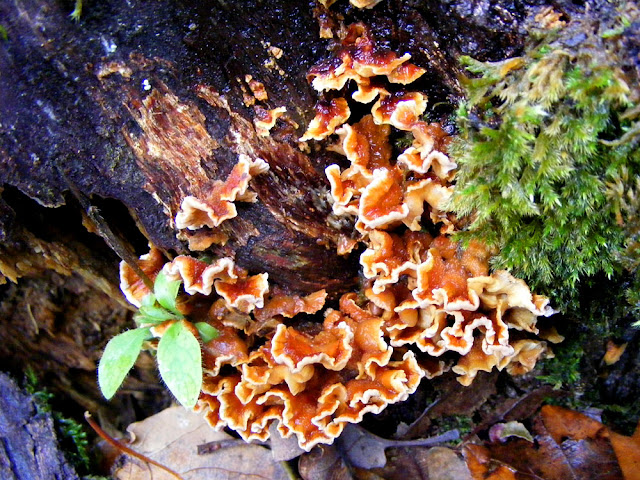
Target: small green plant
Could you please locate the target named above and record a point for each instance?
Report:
(3, 34)
(541, 137)
(178, 351)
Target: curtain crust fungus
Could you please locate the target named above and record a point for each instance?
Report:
(218, 206)
(422, 294)
(265, 120)
(328, 116)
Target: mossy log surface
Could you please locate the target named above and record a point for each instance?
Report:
(29, 449)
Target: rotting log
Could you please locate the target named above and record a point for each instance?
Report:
(106, 124)
(29, 448)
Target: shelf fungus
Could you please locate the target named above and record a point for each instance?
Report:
(265, 120)
(328, 116)
(311, 379)
(360, 59)
(218, 205)
(426, 303)
(200, 216)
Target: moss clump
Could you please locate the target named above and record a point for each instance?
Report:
(462, 423)
(543, 140)
(624, 194)
(71, 434)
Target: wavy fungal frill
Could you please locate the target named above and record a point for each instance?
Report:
(423, 296)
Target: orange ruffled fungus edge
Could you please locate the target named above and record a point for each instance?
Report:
(423, 296)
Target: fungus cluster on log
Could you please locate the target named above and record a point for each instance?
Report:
(426, 303)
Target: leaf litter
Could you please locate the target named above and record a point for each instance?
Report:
(172, 438)
(556, 444)
(567, 445)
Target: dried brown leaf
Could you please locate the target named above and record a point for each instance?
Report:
(172, 437)
(436, 463)
(568, 445)
(323, 463)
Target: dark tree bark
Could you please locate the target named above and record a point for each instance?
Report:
(28, 445)
(108, 123)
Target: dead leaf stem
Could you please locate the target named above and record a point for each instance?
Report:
(123, 448)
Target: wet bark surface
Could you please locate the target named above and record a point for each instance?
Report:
(28, 444)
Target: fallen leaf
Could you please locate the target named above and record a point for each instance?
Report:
(567, 423)
(562, 423)
(613, 353)
(482, 467)
(172, 437)
(628, 453)
(436, 463)
(568, 445)
(445, 464)
(323, 463)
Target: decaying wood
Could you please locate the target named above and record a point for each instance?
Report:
(143, 103)
(28, 448)
(146, 107)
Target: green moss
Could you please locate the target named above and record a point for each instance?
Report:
(77, 11)
(563, 370)
(71, 434)
(625, 197)
(462, 423)
(542, 139)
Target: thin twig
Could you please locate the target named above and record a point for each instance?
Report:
(632, 132)
(448, 436)
(103, 229)
(123, 448)
(416, 423)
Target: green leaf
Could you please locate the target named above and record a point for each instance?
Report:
(206, 331)
(148, 300)
(117, 359)
(180, 363)
(166, 292)
(157, 314)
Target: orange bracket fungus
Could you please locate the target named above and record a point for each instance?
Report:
(422, 294)
(265, 120)
(196, 213)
